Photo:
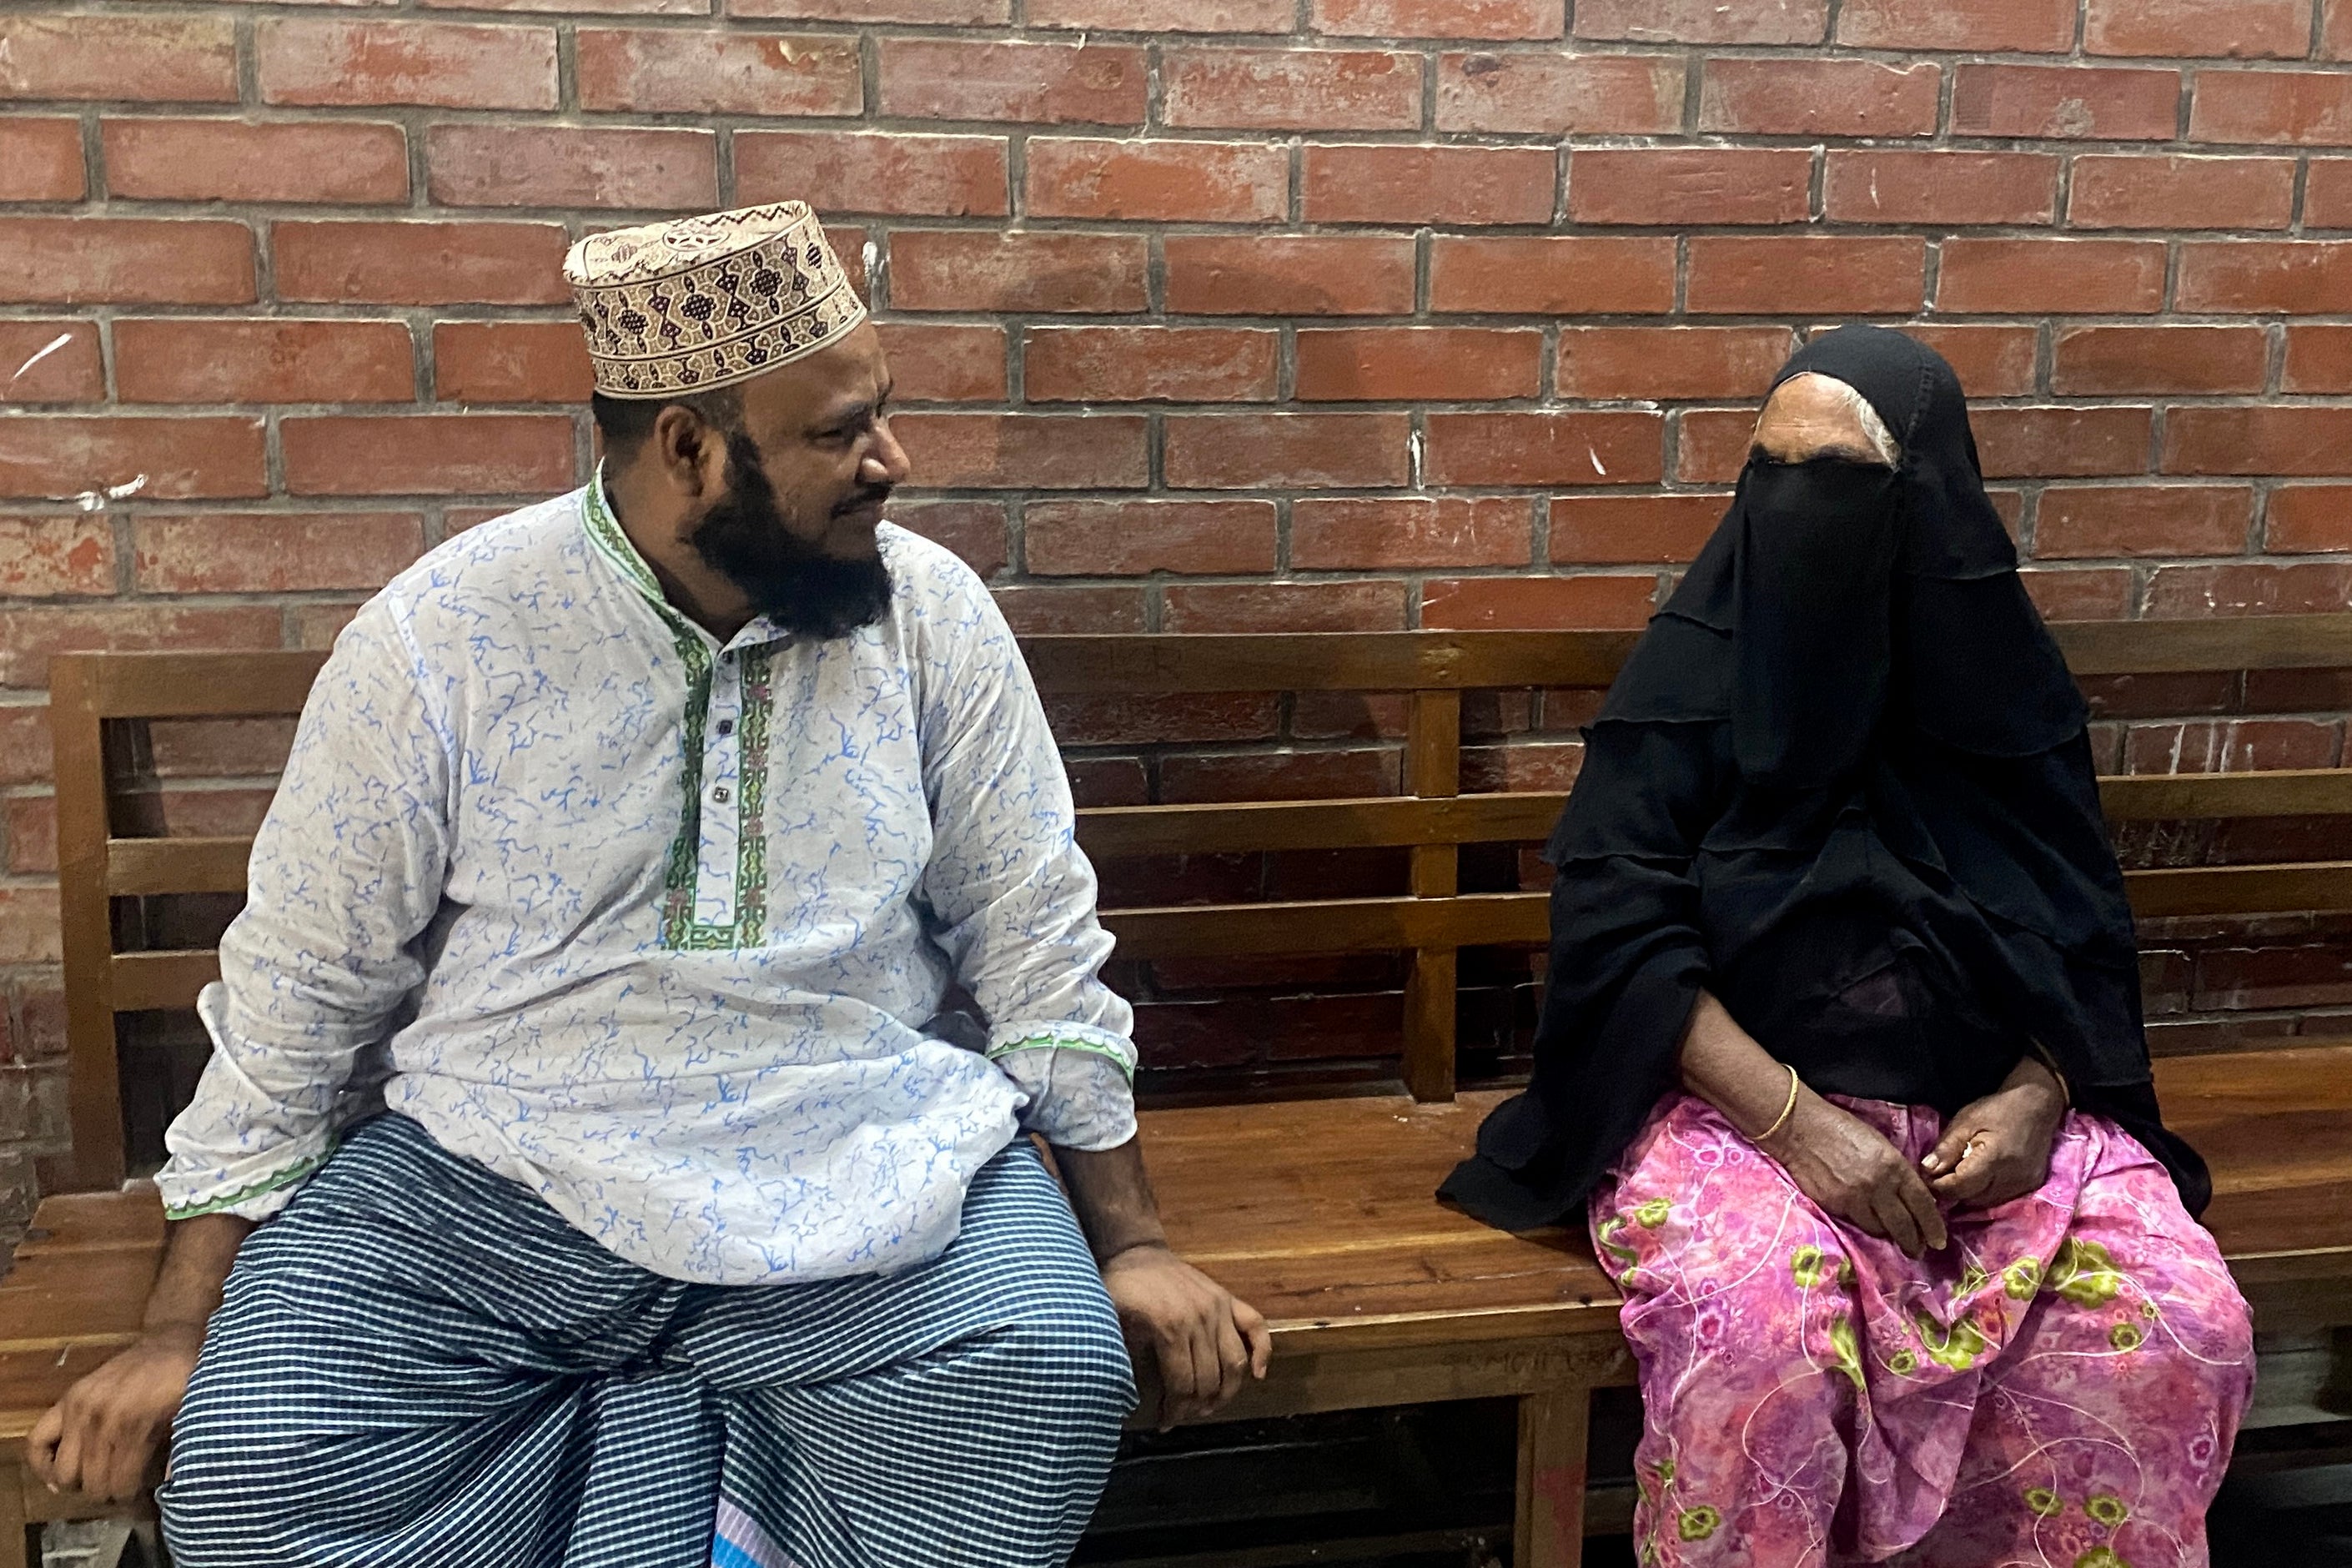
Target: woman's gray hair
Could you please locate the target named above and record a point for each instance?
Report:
(1882, 442)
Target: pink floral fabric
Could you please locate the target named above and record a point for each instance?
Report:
(2058, 1387)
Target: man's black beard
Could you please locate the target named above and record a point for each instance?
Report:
(799, 588)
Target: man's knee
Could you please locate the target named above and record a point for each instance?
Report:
(228, 1489)
(1066, 1346)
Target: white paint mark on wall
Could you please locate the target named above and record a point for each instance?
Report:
(95, 501)
(1413, 448)
(1598, 466)
(52, 347)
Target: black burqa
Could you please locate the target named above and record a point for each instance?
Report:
(1842, 782)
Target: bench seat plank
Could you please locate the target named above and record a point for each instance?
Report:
(76, 1221)
(1319, 1211)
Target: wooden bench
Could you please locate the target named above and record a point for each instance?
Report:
(1318, 1208)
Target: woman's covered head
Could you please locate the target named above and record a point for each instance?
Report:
(1862, 576)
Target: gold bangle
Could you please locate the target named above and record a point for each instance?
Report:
(1786, 1111)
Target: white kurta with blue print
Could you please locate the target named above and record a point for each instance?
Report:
(654, 926)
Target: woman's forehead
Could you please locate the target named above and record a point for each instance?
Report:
(1817, 415)
(1814, 390)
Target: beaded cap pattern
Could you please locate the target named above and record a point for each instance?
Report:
(703, 302)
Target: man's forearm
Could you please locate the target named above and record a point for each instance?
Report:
(196, 1261)
(1112, 1197)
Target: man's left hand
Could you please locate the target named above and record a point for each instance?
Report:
(1998, 1148)
(1205, 1340)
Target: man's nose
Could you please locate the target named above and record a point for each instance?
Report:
(886, 463)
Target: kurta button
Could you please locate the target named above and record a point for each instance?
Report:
(719, 795)
(727, 726)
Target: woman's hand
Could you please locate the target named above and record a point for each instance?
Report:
(1998, 1148)
(1840, 1162)
(1849, 1168)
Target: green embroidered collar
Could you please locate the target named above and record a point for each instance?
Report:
(606, 534)
(612, 541)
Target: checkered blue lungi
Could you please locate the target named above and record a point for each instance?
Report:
(420, 1364)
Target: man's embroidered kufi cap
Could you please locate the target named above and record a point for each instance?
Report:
(701, 303)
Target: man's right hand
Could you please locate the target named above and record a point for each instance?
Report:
(101, 1437)
(1849, 1168)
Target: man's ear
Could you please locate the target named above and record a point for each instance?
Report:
(689, 452)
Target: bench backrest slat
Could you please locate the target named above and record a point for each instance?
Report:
(170, 979)
(232, 685)
(195, 685)
(158, 865)
(98, 698)
(217, 865)
(1124, 665)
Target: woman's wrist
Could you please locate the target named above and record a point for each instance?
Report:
(1722, 1064)
(1786, 1114)
(2033, 1074)
(2038, 1054)
(2041, 1089)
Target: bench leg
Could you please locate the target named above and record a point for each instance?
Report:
(17, 1547)
(1552, 1429)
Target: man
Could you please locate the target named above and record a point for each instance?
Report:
(628, 852)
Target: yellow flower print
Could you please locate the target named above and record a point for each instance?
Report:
(1848, 1348)
(1972, 1280)
(1607, 1237)
(1653, 1215)
(2043, 1501)
(2108, 1509)
(1805, 1267)
(1665, 1470)
(2125, 1336)
(2021, 1278)
(2085, 1274)
(1903, 1363)
(1698, 1523)
(1957, 1347)
(2101, 1557)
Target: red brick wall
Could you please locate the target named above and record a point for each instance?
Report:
(1282, 314)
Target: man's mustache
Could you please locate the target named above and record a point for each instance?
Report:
(876, 495)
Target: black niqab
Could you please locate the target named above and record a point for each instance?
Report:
(1843, 782)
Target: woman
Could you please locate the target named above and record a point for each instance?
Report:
(1842, 1049)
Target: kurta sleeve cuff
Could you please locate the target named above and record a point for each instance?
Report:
(1079, 1081)
(251, 1190)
